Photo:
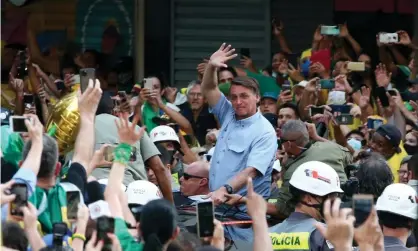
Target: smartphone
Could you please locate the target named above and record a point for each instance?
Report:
(356, 66)
(381, 94)
(343, 109)
(362, 207)
(245, 52)
(374, 123)
(17, 123)
(105, 225)
(21, 192)
(148, 84)
(85, 75)
(330, 30)
(392, 93)
(28, 100)
(59, 230)
(286, 86)
(60, 84)
(133, 154)
(205, 218)
(387, 38)
(345, 119)
(22, 69)
(315, 110)
(108, 153)
(327, 84)
(73, 200)
(294, 59)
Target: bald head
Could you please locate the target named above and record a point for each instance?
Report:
(199, 168)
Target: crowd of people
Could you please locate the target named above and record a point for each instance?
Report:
(289, 155)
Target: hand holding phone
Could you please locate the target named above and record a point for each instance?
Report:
(73, 200)
(17, 123)
(313, 110)
(374, 123)
(381, 94)
(28, 100)
(205, 217)
(362, 207)
(108, 153)
(148, 84)
(104, 226)
(85, 75)
(21, 199)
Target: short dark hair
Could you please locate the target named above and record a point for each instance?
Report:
(413, 166)
(14, 236)
(230, 69)
(49, 157)
(374, 175)
(292, 106)
(391, 220)
(247, 82)
(358, 132)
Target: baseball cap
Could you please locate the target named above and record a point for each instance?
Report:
(272, 95)
(141, 192)
(272, 118)
(392, 134)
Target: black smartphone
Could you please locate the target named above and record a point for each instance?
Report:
(85, 75)
(345, 119)
(105, 225)
(315, 110)
(362, 207)
(17, 123)
(205, 218)
(59, 230)
(344, 109)
(392, 93)
(28, 99)
(293, 59)
(21, 200)
(73, 200)
(60, 85)
(374, 123)
(22, 70)
(286, 86)
(245, 52)
(381, 94)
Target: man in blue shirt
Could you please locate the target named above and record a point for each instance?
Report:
(246, 143)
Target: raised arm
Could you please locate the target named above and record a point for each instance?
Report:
(210, 79)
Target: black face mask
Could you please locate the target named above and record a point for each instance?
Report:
(411, 150)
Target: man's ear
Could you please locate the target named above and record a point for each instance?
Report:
(203, 182)
(57, 169)
(258, 98)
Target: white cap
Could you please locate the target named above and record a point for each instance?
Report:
(277, 166)
(399, 199)
(142, 191)
(98, 209)
(302, 84)
(105, 181)
(316, 178)
(163, 133)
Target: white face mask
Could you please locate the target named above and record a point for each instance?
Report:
(355, 144)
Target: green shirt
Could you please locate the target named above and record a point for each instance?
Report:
(127, 242)
(266, 84)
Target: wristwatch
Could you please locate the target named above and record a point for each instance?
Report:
(229, 189)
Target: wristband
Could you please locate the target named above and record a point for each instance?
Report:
(122, 153)
(79, 236)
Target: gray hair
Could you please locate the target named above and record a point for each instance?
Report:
(49, 156)
(192, 84)
(296, 126)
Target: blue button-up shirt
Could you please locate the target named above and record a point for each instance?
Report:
(249, 142)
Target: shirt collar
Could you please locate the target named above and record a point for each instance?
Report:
(248, 121)
(390, 240)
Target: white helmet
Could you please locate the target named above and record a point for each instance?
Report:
(399, 199)
(163, 133)
(277, 166)
(316, 178)
(142, 191)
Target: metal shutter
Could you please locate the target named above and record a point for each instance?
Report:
(301, 17)
(199, 27)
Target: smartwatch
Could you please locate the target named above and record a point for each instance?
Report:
(229, 189)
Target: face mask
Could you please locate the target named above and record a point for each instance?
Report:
(355, 144)
(411, 150)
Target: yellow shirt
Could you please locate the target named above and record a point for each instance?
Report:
(395, 163)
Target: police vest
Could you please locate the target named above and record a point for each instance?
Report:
(293, 235)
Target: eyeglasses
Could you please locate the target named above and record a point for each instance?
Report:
(192, 94)
(187, 176)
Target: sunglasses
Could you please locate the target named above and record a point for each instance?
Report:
(187, 176)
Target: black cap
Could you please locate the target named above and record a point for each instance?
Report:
(272, 118)
(392, 134)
